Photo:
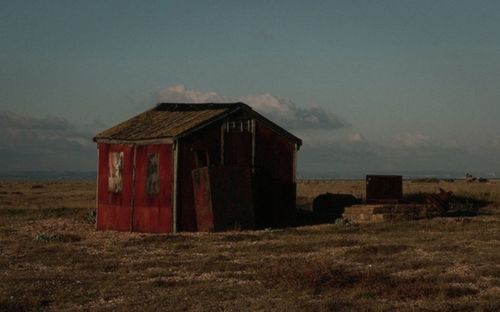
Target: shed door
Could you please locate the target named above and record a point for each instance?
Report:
(115, 187)
(238, 143)
(152, 210)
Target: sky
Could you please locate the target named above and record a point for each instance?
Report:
(389, 85)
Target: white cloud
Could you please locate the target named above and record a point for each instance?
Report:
(356, 137)
(413, 140)
(10, 120)
(413, 153)
(180, 94)
(281, 110)
(51, 143)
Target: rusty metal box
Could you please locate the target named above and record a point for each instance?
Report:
(384, 188)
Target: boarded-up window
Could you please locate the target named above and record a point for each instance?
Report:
(153, 176)
(115, 172)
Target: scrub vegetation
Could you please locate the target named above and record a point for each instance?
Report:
(51, 258)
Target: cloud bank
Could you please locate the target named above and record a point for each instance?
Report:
(409, 152)
(281, 110)
(324, 151)
(52, 143)
(40, 144)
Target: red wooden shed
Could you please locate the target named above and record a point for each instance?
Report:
(196, 167)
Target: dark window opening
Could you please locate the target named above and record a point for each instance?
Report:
(201, 158)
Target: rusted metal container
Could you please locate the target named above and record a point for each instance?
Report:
(384, 188)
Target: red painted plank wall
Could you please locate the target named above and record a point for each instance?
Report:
(153, 212)
(273, 181)
(113, 209)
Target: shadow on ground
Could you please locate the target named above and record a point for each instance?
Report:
(326, 208)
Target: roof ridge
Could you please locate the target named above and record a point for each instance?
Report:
(194, 106)
(166, 120)
(176, 120)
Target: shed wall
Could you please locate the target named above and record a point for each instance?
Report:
(273, 181)
(151, 212)
(113, 209)
(207, 139)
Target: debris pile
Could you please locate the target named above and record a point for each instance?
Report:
(329, 207)
(469, 178)
(384, 202)
(389, 212)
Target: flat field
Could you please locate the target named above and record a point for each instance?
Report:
(51, 258)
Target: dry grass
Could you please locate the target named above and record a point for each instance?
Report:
(313, 188)
(51, 258)
(489, 192)
(33, 195)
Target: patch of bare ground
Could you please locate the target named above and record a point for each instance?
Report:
(51, 258)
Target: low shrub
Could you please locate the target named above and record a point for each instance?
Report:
(90, 217)
(57, 237)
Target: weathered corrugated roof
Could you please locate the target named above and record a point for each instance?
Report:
(166, 120)
(170, 120)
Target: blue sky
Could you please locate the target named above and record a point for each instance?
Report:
(405, 84)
